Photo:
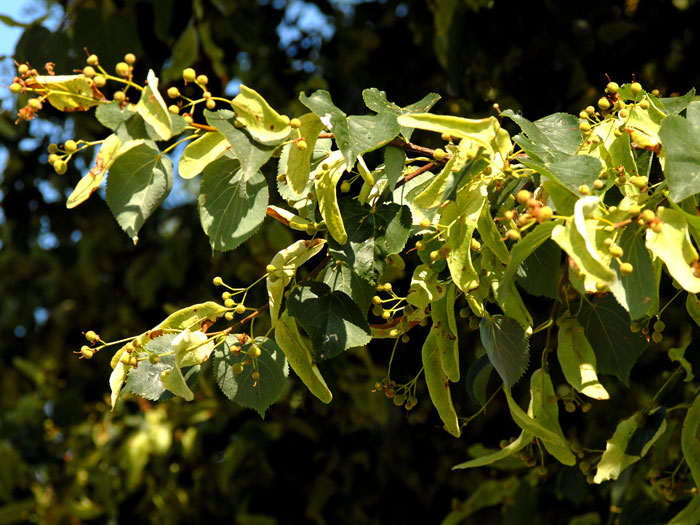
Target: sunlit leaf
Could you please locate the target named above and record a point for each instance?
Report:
(262, 122)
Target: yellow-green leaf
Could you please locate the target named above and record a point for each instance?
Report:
(262, 122)
(578, 361)
(152, 108)
(299, 161)
(690, 440)
(68, 92)
(201, 152)
(438, 385)
(92, 180)
(672, 245)
(327, 198)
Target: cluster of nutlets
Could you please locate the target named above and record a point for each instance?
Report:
(401, 395)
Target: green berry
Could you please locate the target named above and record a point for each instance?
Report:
(644, 104)
(616, 251)
(648, 215)
(585, 126)
(420, 245)
(583, 189)
(93, 60)
(173, 92)
(434, 255)
(229, 303)
(87, 352)
(659, 326)
(237, 368)
(60, 167)
(603, 103)
(295, 123)
(612, 87)
(123, 69)
(15, 88)
(464, 312)
(172, 108)
(240, 308)
(211, 104)
(657, 337)
(91, 336)
(189, 75)
(569, 407)
(89, 71)
(130, 58)
(228, 316)
(399, 399)
(202, 80)
(345, 186)
(376, 300)
(254, 351)
(635, 327)
(513, 235)
(301, 144)
(425, 222)
(636, 88)
(70, 146)
(523, 196)
(218, 281)
(394, 333)
(100, 81)
(35, 103)
(23, 69)
(626, 268)
(474, 323)
(439, 154)
(120, 96)
(405, 338)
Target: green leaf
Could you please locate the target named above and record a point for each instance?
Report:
(537, 143)
(681, 152)
(523, 440)
(673, 246)
(331, 318)
(139, 181)
(677, 355)
(615, 459)
(674, 105)
(372, 234)
(545, 410)
(299, 161)
(445, 332)
(286, 263)
(262, 122)
(607, 328)
(394, 159)
(153, 110)
(554, 439)
(257, 394)
(573, 171)
(562, 130)
(463, 215)
(340, 277)
(506, 345)
(200, 153)
(636, 292)
(539, 274)
(328, 198)
(354, 135)
(521, 251)
(438, 385)
(231, 206)
(690, 440)
(690, 514)
(692, 305)
(113, 115)
(376, 101)
(425, 287)
(91, 181)
(577, 360)
(477, 379)
(299, 352)
(251, 154)
(145, 380)
(491, 237)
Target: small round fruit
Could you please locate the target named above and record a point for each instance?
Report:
(586, 407)
(636, 88)
(598, 184)
(603, 103)
(60, 167)
(513, 235)
(585, 126)
(635, 327)
(616, 251)
(89, 71)
(634, 209)
(301, 144)
(657, 337)
(399, 399)
(172, 108)
(23, 69)
(387, 287)
(508, 215)
(254, 351)
(626, 268)
(35, 103)
(545, 213)
(425, 222)
(583, 114)
(189, 75)
(590, 110)
(87, 352)
(91, 336)
(237, 368)
(173, 92)
(130, 58)
(228, 316)
(612, 87)
(420, 245)
(434, 255)
(583, 189)
(393, 333)
(211, 104)
(523, 196)
(240, 308)
(644, 104)
(229, 303)
(154, 359)
(345, 186)
(218, 281)
(648, 215)
(100, 81)
(92, 60)
(405, 338)
(656, 227)
(70, 146)
(202, 80)
(464, 312)
(569, 407)
(659, 326)
(122, 69)
(439, 154)
(53, 148)
(120, 96)
(386, 314)
(295, 123)
(255, 375)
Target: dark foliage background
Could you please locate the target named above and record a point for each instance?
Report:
(64, 458)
